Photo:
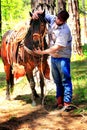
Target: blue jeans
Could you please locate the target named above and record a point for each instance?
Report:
(61, 75)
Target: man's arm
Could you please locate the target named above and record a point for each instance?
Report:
(49, 18)
(49, 51)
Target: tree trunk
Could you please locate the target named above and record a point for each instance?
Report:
(0, 26)
(45, 4)
(75, 25)
(61, 5)
(34, 4)
(84, 14)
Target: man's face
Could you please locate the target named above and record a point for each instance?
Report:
(58, 21)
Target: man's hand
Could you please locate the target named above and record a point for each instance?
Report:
(39, 51)
(35, 14)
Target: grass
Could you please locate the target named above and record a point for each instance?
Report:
(2, 75)
(79, 80)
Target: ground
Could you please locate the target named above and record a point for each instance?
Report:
(19, 114)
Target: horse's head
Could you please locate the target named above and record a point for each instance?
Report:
(36, 32)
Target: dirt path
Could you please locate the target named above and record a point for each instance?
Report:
(18, 114)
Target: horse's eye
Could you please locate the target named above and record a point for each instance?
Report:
(42, 26)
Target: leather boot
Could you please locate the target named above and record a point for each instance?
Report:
(60, 102)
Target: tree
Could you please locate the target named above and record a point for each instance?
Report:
(73, 7)
(0, 21)
(48, 5)
(61, 4)
(12, 12)
(84, 14)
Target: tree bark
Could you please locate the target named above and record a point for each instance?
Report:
(84, 14)
(0, 26)
(61, 5)
(75, 25)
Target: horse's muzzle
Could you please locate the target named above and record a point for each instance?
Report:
(36, 37)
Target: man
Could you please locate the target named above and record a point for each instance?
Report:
(60, 52)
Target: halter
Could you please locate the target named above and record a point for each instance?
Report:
(39, 36)
(35, 37)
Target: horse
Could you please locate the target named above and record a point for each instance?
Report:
(36, 38)
(23, 51)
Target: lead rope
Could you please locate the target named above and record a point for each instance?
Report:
(46, 91)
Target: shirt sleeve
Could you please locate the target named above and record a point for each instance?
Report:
(50, 18)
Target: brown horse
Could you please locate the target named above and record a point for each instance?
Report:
(34, 38)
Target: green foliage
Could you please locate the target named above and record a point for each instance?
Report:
(2, 80)
(11, 8)
(14, 11)
(2, 75)
(84, 48)
(81, 6)
(79, 76)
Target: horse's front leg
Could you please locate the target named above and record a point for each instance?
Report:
(32, 86)
(42, 86)
(44, 72)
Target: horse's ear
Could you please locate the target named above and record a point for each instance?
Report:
(43, 14)
(30, 14)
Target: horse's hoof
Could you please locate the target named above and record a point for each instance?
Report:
(8, 98)
(33, 103)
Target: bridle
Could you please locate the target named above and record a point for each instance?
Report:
(42, 31)
(35, 37)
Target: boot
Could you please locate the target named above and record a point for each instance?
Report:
(66, 103)
(60, 102)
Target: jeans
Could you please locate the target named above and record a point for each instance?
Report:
(62, 78)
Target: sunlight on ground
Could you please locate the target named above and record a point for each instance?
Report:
(1, 66)
(76, 57)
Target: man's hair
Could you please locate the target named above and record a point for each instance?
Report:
(63, 15)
